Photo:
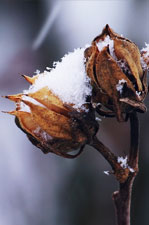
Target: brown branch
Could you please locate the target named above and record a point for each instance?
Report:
(120, 173)
(106, 153)
(122, 198)
(134, 133)
(125, 176)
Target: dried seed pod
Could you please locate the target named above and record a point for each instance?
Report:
(50, 124)
(118, 79)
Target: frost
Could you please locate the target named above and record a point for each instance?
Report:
(67, 80)
(37, 130)
(120, 85)
(48, 68)
(37, 72)
(106, 172)
(95, 105)
(131, 169)
(110, 43)
(145, 55)
(107, 42)
(146, 50)
(98, 119)
(45, 136)
(124, 66)
(123, 162)
(23, 107)
(103, 43)
(138, 93)
(32, 100)
(143, 63)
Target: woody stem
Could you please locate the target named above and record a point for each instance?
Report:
(105, 152)
(122, 197)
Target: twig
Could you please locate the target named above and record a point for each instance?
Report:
(125, 176)
(122, 198)
(106, 153)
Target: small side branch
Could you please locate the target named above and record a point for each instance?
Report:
(120, 173)
(105, 152)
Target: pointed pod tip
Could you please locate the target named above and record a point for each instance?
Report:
(107, 26)
(23, 75)
(14, 113)
(13, 98)
(4, 112)
(4, 96)
(28, 79)
(28, 103)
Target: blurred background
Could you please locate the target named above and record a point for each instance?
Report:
(38, 189)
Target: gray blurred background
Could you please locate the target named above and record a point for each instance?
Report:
(38, 189)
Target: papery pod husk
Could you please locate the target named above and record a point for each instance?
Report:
(105, 74)
(52, 126)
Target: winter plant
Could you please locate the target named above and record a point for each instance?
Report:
(57, 113)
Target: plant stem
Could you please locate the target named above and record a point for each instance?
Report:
(122, 201)
(134, 147)
(122, 197)
(106, 153)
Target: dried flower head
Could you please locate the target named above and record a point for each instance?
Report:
(52, 125)
(118, 79)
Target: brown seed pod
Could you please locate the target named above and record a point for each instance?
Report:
(50, 124)
(118, 80)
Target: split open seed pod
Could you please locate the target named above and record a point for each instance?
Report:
(118, 79)
(50, 124)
